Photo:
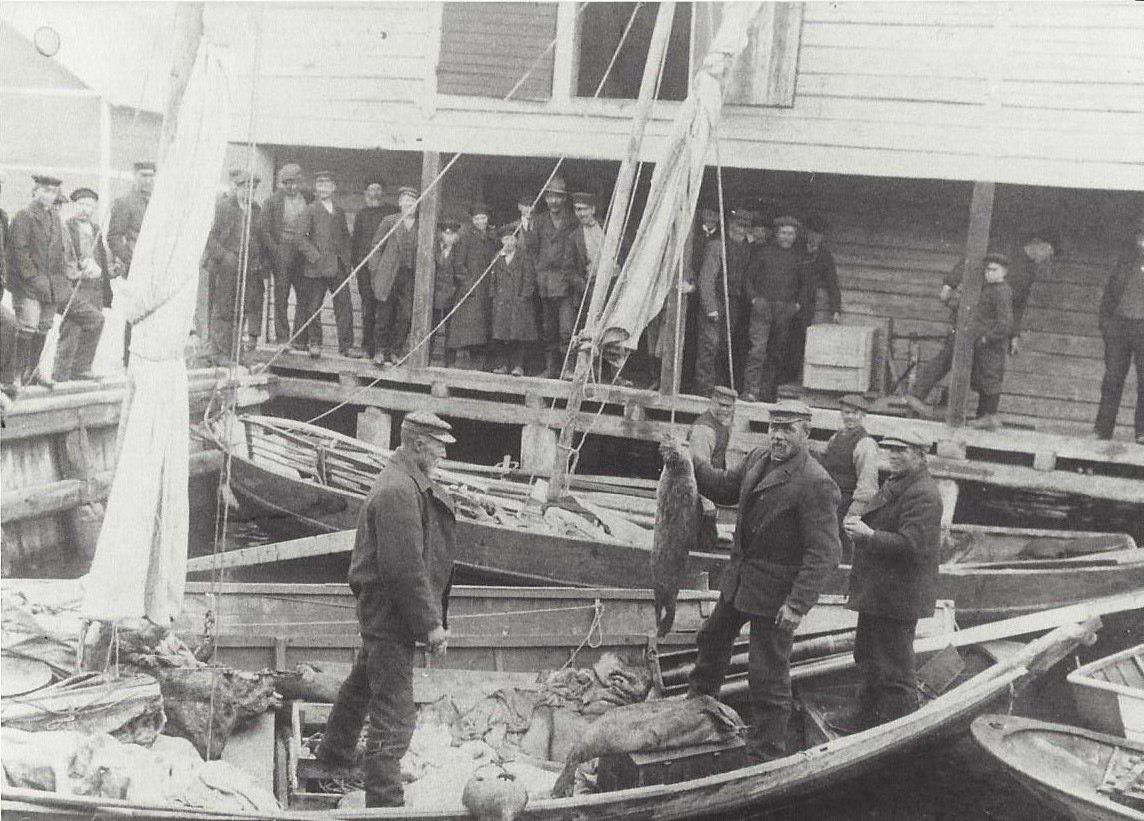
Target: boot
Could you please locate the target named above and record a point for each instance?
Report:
(32, 374)
(551, 365)
(989, 421)
(85, 353)
(382, 777)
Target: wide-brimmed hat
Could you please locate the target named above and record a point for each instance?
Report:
(556, 186)
(290, 171)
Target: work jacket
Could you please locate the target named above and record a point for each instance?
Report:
(39, 263)
(1129, 265)
(397, 256)
(324, 238)
(401, 568)
(555, 255)
(88, 266)
(475, 254)
(895, 570)
(711, 275)
(514, 298)
(786, 536)
(224, 242)
(124, 226)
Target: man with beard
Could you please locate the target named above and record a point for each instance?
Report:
(365, 226)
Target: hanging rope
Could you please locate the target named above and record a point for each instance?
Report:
(723, 243)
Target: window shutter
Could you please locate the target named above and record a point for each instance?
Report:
(487, 47)
(767, 69)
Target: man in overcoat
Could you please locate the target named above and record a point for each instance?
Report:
(1121, 319)
(365, 226)
(821, 273)
(400, 573)
(282, 224)
(391, 272)
(324, 238)
(786, 545)
(893, 583)
(38, 280)
(513, 298)
(469, 327)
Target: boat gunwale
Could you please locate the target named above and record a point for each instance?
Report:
(1082, 676)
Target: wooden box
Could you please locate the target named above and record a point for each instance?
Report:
(839, 357)
(626, 770)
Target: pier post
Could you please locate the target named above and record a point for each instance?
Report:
(537, 447)
(423, 276)
(376, 427)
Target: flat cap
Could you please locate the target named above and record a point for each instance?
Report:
(856, 401)
(428, 424)
(741, 216)
(478, 207)
(325, 175)
(583, 198)
(410, 190)
(46, 179)
(786, 219)
(240, 176)
(1000, 259)
(290, 171)
(790, 410)
(450, 225)
(905, 438)
(508, 229)
(525, 197)
(814, 223)
(83, 193)
(556, 186)
(144, 165)
(723, 392)
(373, 179)
(708, 214)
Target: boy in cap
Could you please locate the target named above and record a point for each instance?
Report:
(39, 280)
(400, 573)
(324, 239)
(237, 224)
(89, 270)
(786, 546)
(893, 582)
(1121, 320)
(716, 325)
(391, 272)
(991, 329)
(282, 224)
(365, 226)
(469, 327)
(851, 458)
(555, 275)
(513, 291)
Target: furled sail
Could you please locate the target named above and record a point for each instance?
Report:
(140, 559)
(650, 270)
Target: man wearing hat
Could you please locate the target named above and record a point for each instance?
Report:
(588, 240)
(324, 238)
(820, 273)
(555, 275)
(707, 439)
(991, 330)
(365, 226)
(127, 214)
(851, 458)
(90, 272)
(444, 280)
(469, 327)
(777, 287)
(391, 272)
(237, 224)
(512, 286)
(400, 573)
(1121, 320)
(719, 319)
(282, 224)
(893, 583)
(38, 280)
(785, 548)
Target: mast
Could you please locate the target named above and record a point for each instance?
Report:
(609, 253)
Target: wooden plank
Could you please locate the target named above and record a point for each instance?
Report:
(427, 214)
(977, 242)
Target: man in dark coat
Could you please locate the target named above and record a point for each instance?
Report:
(555, 260)
(1032, 261)
(1121, 320)
(8, 387)
(324, 238)
(400, 572)
(282, 223)
(90, 272)
(222, 258)
(124, 225)
(391, 272)
(786, 545)
(38, 281)
(991, 331)
(711, 362)
(365, 226)
(469, 327)
(707, 439)
(897, 549)
(820, 273)
(851, 458)
(513, 289)
(777, 288)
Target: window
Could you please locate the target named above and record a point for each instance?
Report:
(601, 30)
(487, 47)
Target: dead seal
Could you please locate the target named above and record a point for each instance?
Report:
(678, 511)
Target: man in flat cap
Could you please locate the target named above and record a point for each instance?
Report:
(281, 227)
(89, 271)
(720, 312)
(400, 572)
(237, 224)
(786, 546)
(1121, 318)
(851, 458)
(324, 238)
(127, 214)
(707, 439)
(990, 331)
(893, 583)
(365, 226)
(39, 281)
(777, 287)
(588, 240)
(391, 272)
(555, 275)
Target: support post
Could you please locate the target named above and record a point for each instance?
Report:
(976, 244)
(537, 447)
(427, 213)
(376, 427)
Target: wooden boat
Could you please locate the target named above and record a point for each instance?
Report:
(298, 480)
(1073, 770)
(1109, 694)
(992, 671)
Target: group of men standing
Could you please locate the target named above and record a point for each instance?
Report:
(55, 266)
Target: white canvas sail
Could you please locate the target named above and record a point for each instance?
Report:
(140, 561)
(651, 266)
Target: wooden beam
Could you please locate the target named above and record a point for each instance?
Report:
(976, 245)
(427, 213)
(188, 34)
(565, 64)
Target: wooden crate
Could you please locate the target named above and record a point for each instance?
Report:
(839, 357)
(303, 771)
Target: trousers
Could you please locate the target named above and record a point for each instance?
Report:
(368, 311)
(79, 338)
(768, 673)
(884, 653)
(557, 321)
(287, 274)
(1123, 343)
(394, 316)
(711, 360)
(313, 292)
(769, 331)
(380, 685)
